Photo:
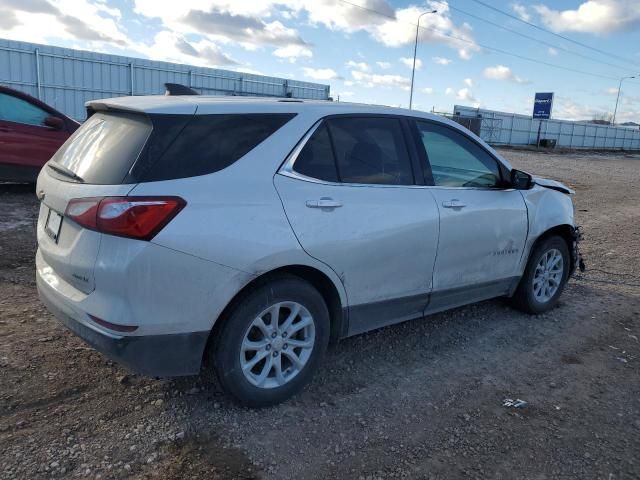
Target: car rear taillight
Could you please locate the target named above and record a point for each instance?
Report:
(132, 217)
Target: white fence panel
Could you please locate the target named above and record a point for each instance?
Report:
(67, 78)
(517, 129)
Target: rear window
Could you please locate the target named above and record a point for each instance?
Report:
(103, 149)
(114, 148)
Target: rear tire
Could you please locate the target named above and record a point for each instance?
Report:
(544, 278)
(271, 342)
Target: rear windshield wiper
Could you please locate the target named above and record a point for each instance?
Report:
(61, 169)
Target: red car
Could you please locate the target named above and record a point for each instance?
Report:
(30, 133)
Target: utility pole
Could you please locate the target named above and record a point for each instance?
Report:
(615, 110)
(415, 50)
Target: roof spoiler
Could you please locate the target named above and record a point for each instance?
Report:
(173, 89)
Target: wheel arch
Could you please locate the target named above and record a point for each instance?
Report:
(564, 231)
(336, 302)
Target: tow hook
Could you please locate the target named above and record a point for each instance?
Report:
(577, 256)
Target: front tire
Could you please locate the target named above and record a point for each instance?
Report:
(271, 341)
(544, 278)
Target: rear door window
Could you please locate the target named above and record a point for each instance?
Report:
(14, 109)
(371, 150)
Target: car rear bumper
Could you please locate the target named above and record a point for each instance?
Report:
(167, 355)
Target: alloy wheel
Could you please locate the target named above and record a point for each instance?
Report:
(277, 345)
(548, 275)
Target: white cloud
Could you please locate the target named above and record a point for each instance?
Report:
(612, 91)
(464, 94)
(437, 28)
(197, 30)
(392, 28)
(441, 60)
(593, 16)
(552, 51)
(468, 82)
(409, 62)
(337, 15)
(250, 70)
(362, 66)
(293, 52)
(377, 80)
(521, 11)
(502, 72)
(175, 48)
(567, 109)
(248, 24)
(95, 25)
(320, 73)
(345, 94)
(243, 29)
(427, 90)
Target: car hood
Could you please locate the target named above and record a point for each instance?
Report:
(553, 184)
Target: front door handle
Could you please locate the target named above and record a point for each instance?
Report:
(324, 202)
(454, 203)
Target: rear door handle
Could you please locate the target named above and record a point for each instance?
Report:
(454, 203)
(329, 203)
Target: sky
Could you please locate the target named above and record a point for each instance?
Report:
(468, 52)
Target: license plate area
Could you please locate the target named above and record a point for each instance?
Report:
(53, 224)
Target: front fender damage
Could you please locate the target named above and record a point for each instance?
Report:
(577, 259)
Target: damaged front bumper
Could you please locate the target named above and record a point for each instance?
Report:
(577, 260)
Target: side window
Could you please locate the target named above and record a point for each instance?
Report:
(456, 161)
(207, 144)
(371, 150)
(316, 158)
(13, 109)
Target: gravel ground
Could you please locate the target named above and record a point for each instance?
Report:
(423, 399)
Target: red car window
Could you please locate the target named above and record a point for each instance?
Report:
(13, 109)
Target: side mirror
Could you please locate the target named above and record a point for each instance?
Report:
(54, 122)
(521, 180)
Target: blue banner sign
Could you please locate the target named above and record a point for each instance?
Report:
(542, 105)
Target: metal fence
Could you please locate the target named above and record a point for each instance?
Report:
(502, 128)
(66, 78)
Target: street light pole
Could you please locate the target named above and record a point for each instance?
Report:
(415, 50)
(615, 110)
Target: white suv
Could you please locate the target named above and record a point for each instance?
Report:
(247, 233)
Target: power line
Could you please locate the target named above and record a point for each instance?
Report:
(584, 45)
(486, 47)
(543, 42)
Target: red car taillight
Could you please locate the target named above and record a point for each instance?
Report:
(132, 217)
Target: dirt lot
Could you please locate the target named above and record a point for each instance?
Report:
(418, 400)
